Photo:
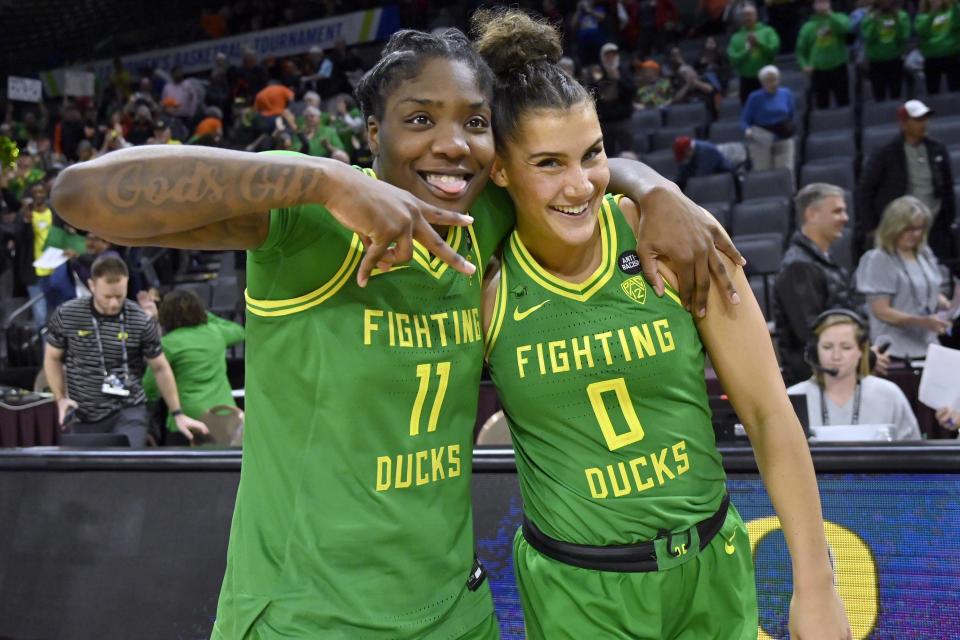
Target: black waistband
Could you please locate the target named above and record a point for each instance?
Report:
(626, 558)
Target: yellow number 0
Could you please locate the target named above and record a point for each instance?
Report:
(423, 372)
(619, 386)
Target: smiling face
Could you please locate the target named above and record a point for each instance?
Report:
(434, 139)
(837, 348)
(556, 172)
(909, 239)
(825, 220)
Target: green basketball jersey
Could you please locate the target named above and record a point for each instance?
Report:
(602, 384)
(353, 516)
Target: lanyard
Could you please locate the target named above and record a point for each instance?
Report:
(123, 346)
(855, 419)
(921, 304)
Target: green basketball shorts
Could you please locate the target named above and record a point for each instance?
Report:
(711, 595)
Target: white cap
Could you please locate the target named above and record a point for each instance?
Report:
(608, 47)
(916, 109)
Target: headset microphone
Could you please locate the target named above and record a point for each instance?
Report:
(816, 366)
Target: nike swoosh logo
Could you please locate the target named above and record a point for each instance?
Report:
(520, 315)
(83, 333)
(728, 546)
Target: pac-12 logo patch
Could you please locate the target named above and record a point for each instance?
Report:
(629, 262)
(635, 288)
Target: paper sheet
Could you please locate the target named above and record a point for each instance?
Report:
(939, 383)
(51, 258)
(952, 312)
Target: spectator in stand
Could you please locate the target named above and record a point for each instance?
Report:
(751, 48)
(697, 158)
(938, 33)
(822, 53)
(322, 140)
(842, 391)
(183, 93)
(769, 123)
(690, 87)
(712, 65)
(85, 151)
(885, 30)
(250, 78)
(810, 281)
(910, 164)
(178, 128)
(347, 67)
(36, 223)
(162, 133)
(68, 133)
(96, 353)
(209, 132)
(586, 24)
(613, 91)
(653, 91)
(141, 129)
(273, 99)
(901, 281)
(219, 94)
(194, 342)
(318, 71)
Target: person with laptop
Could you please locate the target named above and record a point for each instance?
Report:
(842, 392)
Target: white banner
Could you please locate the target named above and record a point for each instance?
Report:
(354, 28)
(24, 89)
(78, 83)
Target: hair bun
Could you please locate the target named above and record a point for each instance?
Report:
(510, 39)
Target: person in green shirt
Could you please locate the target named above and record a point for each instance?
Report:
(751, 48)
(822, 54)
(938, 32)
(627, 528)
(885, 32)
(363, 349)
(195, 343)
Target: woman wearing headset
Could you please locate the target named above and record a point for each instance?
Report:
(842, 391)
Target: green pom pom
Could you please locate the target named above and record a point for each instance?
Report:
(8, 153)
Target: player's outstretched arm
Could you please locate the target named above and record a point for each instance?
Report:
(677, 230)
(200, 197)
(738, 342)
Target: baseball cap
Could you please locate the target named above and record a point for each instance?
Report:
(914, 109)
(608, 48)
(647, 64)
(681, 145)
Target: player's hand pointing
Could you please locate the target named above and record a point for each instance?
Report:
(388, 219)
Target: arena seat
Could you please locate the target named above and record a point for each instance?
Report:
(772, 183)
(770, 215)
(719, 187)
(839, 173)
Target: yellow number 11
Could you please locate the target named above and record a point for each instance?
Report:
(423, 372)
